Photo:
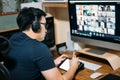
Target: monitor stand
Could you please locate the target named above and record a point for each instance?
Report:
(113, 57)
(98, 51)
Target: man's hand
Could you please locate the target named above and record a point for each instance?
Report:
(74, 61)
(60, 59)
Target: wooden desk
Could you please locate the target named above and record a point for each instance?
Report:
(85, 74)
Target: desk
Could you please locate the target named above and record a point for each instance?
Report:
(85, 74)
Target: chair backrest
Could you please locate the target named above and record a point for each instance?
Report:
(4, 48)
(4, 45)
(4, 73)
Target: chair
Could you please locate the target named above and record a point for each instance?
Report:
(4, 73)
(4, 48)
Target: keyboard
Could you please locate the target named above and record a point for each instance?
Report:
(91, 66)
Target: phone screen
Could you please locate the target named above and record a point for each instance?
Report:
(65, 64)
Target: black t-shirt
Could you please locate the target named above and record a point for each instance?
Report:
(30, 57)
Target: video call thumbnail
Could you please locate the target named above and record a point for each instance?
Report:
(96, 18)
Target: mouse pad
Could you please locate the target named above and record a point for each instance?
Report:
(111, 77)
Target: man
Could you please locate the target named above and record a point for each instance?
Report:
(33, 60)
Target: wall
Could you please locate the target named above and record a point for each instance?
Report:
(8, 22)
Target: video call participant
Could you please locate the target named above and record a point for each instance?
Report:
(34, 60)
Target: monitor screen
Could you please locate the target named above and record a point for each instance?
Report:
(95, 22)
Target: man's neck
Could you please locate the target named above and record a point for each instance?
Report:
(30, 34)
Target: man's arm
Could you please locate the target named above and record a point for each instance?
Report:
(54, 74)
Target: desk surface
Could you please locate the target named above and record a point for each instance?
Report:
(85, 74)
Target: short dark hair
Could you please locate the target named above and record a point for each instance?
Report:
(27, 15)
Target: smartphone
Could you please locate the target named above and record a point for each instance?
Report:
(65, 65)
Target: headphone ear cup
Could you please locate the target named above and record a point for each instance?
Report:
(36, 26)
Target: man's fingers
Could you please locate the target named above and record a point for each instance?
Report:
(74, 54)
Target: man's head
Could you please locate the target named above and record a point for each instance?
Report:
(32, 19)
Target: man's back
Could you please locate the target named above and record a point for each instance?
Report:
(29, 57)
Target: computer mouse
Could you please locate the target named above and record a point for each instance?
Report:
(95, 75)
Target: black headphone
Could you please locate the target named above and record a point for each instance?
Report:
(36, 24)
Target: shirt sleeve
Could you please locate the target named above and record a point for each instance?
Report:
(43, 58)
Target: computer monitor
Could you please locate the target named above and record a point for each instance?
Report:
(95, 22)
